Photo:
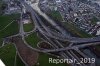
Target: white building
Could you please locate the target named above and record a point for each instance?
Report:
(98, 32)
(58, 1)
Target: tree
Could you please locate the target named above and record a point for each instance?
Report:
(2, 6)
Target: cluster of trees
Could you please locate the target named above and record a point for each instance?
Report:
(2, 7)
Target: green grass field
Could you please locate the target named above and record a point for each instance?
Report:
(76, 31)
(33, 39)
(6, 19)
(7, 55)
(8, 52)
(28, 27)
(11, 29)
(94, 20)
(56, 15)
(1, 41)
(19, 62)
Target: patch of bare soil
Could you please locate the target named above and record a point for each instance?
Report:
(28, 55)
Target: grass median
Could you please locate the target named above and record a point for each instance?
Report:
(33, 39)
(28, 27)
